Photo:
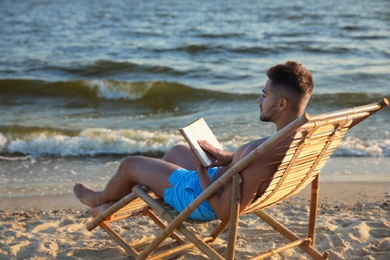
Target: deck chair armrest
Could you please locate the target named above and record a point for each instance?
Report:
(378, 106)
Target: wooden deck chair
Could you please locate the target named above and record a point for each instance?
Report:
(315, 139)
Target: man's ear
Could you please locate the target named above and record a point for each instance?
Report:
(282, 104)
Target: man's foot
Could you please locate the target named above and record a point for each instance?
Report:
(86, 195)
(100, 209)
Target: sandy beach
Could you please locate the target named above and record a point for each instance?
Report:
(353, 223)
(41, 219)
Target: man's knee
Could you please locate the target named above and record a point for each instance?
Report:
(180, 155)
(180, 148)
(130, 164)
(176, 151)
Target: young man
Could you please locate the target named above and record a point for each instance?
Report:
(179, 177)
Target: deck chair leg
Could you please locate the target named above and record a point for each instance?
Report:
(234, 215)
(218, 231)
(119, 240)
(310, 250)
(200, 243)
(159, 223)
(315, 187)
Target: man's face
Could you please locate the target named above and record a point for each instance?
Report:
(267, 103)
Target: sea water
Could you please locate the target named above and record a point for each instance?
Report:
(96, 79)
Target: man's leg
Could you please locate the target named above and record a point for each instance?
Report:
(153, 173)
(181, 155)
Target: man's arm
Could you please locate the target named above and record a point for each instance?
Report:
(217, 201)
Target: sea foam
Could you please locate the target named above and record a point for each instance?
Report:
(94, 141)
(3, 142)
(114, 90)
(97, 141)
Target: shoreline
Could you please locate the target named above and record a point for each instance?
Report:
(43, 183)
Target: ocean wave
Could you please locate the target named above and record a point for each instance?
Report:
(113, 90)
(355, 147)
(110, 90)
(91, 142)
(195, 48)
(103, 68)
(329, 102)
(100, 141)
(283, 45)
(221, 35)
(17, 130)
(123, 90)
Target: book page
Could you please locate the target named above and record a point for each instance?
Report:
(199, 130)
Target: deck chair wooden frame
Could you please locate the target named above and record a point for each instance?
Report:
(315, 139)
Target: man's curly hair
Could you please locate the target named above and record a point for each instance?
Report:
(292, 75)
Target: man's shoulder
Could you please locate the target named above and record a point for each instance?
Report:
(255, 143)
(271, 153)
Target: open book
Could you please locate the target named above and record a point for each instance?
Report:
(199, 130)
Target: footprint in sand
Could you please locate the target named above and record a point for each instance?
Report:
(45, 227)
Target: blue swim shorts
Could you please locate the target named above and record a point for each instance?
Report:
(186, 187)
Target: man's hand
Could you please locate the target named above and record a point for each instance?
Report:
(222, 157)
